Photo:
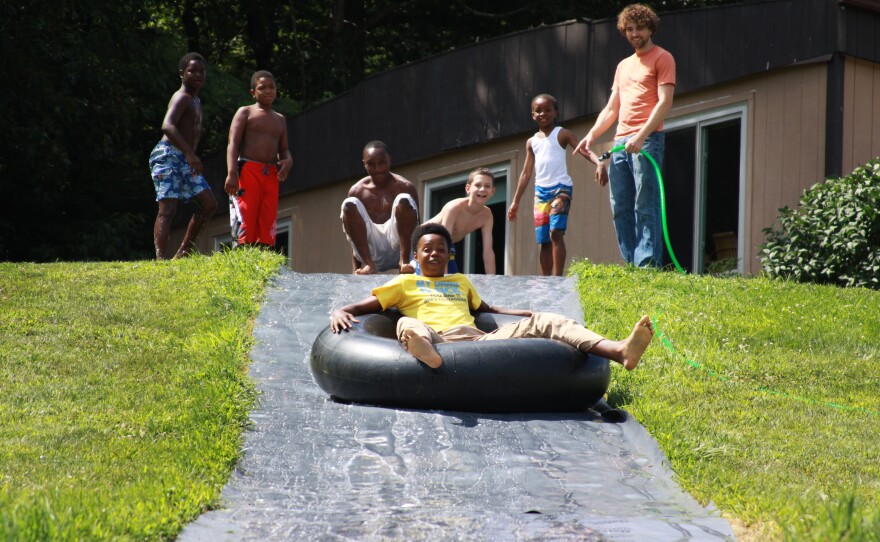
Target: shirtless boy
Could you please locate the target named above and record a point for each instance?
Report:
(174, 166)
(379, 215)
(462, 216)
(257, 160)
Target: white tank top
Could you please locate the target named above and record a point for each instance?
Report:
(550, 168)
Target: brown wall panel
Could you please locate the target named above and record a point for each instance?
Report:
(875, 125)
(789, 135)
(861, 114)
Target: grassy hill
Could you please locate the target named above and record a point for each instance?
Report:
(124, 393)
(764, 395)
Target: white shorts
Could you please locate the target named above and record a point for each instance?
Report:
(382, 239)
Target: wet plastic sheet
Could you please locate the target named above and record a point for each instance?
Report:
(314, 469)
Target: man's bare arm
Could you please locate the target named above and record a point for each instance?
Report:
(606, 118)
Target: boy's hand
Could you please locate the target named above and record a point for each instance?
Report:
(284, 167)
(602, 174)
(511, 212)
(231, 186)
(195, 164)
(341, 320)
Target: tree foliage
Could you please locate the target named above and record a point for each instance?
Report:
(77, 109)
(86, 85)
(833, 237)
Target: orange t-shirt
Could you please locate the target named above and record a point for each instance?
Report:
(637, 81)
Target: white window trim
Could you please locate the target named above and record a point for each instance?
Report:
(700, 120)
(286, 226)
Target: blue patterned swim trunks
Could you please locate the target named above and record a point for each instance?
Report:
(172, 176)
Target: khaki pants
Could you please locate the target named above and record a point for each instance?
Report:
(540, 325)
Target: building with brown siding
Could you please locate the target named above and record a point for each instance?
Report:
(771, 98)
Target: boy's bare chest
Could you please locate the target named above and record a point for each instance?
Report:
(465, 223)
(382, 200)
(265, 124)
(378, 203)
(192, 115)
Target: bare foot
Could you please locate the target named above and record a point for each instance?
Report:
(407, 268)
(637, 342)
(423, 351)
(365, 270)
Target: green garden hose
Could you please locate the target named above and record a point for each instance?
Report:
(607, 155)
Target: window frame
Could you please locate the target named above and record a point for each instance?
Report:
(460, 177)
(701, 120)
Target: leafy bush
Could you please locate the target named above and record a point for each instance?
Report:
(834, 235)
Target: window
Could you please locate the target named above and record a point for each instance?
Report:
(283, 238)
(469, 252)
(704, 181)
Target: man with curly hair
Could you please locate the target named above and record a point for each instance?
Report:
(641, 97)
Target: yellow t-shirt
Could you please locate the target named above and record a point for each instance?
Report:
(440, 302)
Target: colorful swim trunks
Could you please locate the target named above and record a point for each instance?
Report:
(257, 203)
(551, 210)
(172, 176)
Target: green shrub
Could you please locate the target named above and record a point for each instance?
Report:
(834, 235)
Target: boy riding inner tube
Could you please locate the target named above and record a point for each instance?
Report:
(367, 364)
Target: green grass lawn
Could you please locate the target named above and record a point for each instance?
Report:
(764, 395)
(123, 393)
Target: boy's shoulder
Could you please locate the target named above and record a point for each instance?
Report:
(456, 203)
(181, 95)
(403, 181)
(244, 110)
(556, 129)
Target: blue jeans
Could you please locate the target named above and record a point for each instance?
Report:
(635, 202)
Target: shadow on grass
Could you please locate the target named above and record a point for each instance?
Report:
(618, 396)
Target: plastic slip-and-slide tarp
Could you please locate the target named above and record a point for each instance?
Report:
(315, 469)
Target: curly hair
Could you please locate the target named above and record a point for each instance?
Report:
(259, 75)
(640, 15)
(187, 58)
(548, 98)
(429, 228)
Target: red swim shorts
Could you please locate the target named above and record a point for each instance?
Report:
(258, 203)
